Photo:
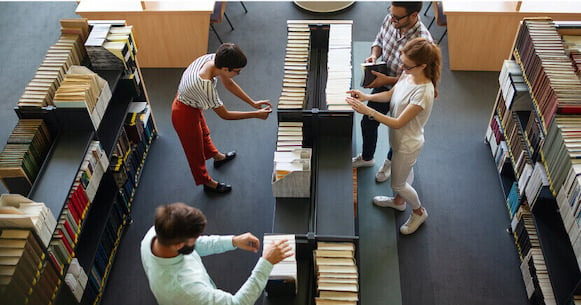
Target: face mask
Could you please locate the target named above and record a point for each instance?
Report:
(187, 249)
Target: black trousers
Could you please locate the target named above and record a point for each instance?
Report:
(369, 126)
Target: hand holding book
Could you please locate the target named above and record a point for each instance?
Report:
(371, 71)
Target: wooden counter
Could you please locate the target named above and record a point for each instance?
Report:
(481, 33)
(169, 34)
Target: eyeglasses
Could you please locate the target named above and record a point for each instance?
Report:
(397, 19)
(408, 68)
(237, 71)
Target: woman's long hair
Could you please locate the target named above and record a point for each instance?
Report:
(422, 51)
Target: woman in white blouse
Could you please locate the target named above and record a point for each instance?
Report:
(411, 99)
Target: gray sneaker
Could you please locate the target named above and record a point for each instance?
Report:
(384, 172)
(387, 202)
(413, 223)
(359, 162)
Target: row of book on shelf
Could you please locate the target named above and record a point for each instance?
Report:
(335, 272)
(533, 267)
(292, 162)
(548, 70)
(82, 194)
(23, 155)
(296, 66)
(535, 129)
(294, 82)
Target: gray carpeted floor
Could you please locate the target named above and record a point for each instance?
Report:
(462, 255)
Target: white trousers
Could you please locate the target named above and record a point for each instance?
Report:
(402, 176)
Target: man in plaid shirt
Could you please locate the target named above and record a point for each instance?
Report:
(401, 25)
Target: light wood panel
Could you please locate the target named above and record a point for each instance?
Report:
(481, 33)
(169, 34)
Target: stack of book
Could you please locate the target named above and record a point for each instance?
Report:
(140, 131)
(338, 66)
(291, 175)
(17, 211)
(534, 135)
(561, 149)
(111, 46)
(76, 279)
(568, 200)
(337, 275)
(65, 237)
(21, 261)
(105, 253)
(82, 88)
(572, 44)
(289, 136)
(283, 279)
(66, 52)
(514, 89)
(23, 155)
(515, 139)
(494, 134)
(533, 267)
(295, 67)
(548, 70)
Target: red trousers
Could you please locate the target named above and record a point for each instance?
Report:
(190, 125)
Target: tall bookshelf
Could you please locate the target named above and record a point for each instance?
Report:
(532, 134)
(123, 131)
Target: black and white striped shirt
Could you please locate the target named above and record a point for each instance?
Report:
(198, 92)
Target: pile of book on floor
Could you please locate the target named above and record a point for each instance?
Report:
(21, 262)
(337, 275)
(24, 154)
(17, 211)
(111, 46)
(66, 52)
(283, 279)
(292, 163)
(82, 88)
(295, 67)
(82, 193)
(338, 66)
(533, 267)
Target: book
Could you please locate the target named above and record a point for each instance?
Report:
(368, 77)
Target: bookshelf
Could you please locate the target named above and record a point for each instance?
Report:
(327, 213)
(112, 152)
(536, 165)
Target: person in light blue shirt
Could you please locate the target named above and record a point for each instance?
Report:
(171, 256)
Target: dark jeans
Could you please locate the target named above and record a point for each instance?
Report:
(369, 127)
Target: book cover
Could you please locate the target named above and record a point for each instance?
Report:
(368, 77)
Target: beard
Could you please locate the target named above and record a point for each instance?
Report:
(185, 250)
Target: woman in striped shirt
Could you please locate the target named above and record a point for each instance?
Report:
(197, 92)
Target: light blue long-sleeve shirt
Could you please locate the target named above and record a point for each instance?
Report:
(184, 280)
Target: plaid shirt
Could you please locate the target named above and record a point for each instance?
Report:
(390, 41)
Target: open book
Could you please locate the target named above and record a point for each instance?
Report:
(368, 77)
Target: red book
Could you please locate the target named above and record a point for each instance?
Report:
(72, 233)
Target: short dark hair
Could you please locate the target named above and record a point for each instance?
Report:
(410, 7)
(178, 222)
(230, 56)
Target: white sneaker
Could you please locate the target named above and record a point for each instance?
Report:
(387, 202)
(384, 172)
(413, 223)
(359, 162)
